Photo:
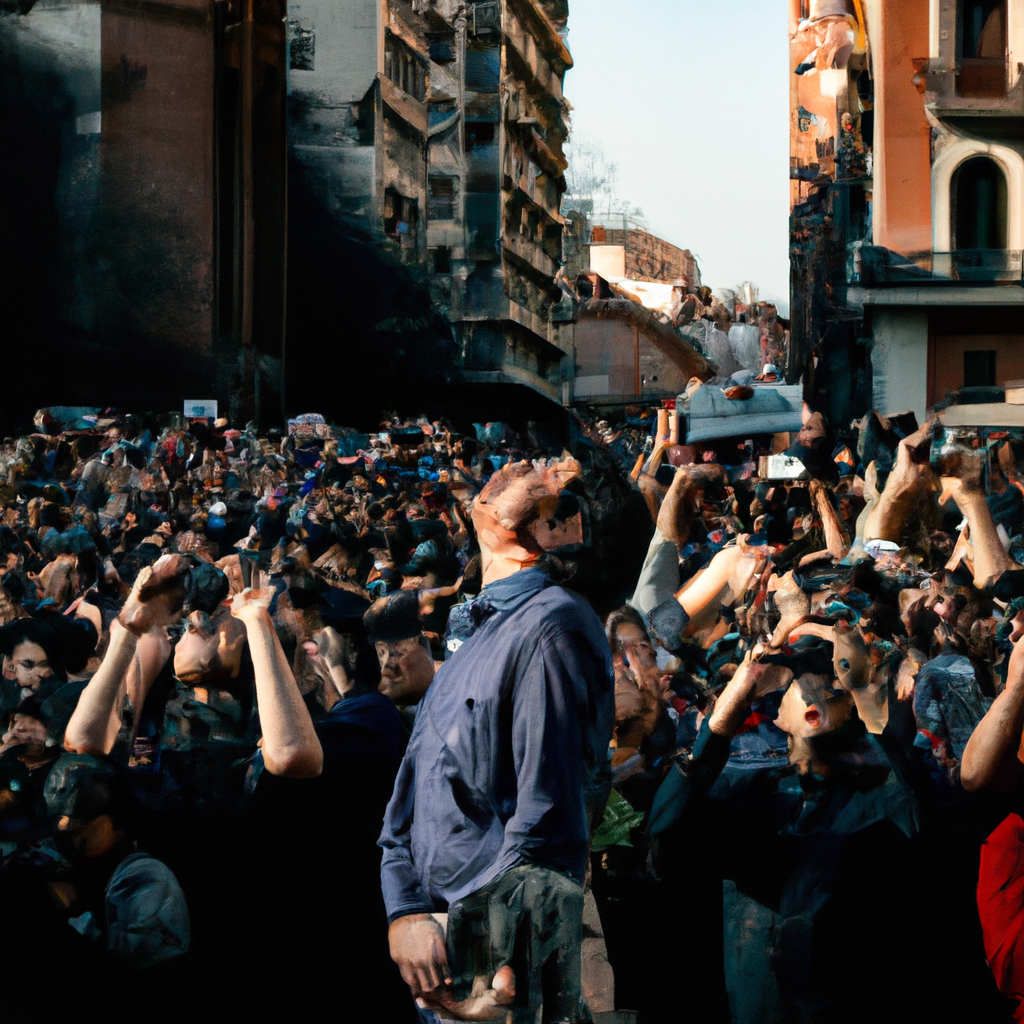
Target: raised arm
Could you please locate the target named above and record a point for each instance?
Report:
(137, 640)
(689, 780)
(990, 758)
(989, 557)
(290, 744)
(96, 720)
(910, 478)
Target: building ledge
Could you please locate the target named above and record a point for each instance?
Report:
(407, 107)
(514, 375)
(951, 294)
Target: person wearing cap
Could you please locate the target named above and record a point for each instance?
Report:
(403, 650)
(145, 920)
(801, 839)
(506, 770)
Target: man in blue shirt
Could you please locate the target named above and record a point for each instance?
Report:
(506, 771)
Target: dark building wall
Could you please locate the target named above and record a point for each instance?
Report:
(158, 174)
(122, 191)
(49, 201)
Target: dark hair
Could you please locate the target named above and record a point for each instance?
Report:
(84, 787)
(394, 617)
(809, 656)
(626, 615)
(32, 631)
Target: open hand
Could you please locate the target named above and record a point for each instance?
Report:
(488, 1001)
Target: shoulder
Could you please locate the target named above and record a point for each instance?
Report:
(352, 722)
(556, 612)
(141, 871)
(147, 917)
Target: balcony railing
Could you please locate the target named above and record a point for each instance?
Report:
(988, 265)
(971, 86)
(874, 265)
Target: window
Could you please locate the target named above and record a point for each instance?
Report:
(478, 133)
(441, 200)
(401, 221)
(483, 66)
(979, 205)
(441, 260)
(402, 67)
(980, 369)
(982, 29)
(981, 48)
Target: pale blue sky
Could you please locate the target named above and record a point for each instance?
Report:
(691, 101)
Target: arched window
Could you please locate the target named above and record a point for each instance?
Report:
(979, 214)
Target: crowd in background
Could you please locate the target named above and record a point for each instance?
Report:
(215, 643)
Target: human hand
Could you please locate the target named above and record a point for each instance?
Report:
(27, 732)
(252, 603)
(680, 507)
(418, 948)
(489, 999)
(744, 565)
(158, 595)
(906, 679)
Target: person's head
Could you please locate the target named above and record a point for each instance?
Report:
(30, 657)
(403, 651)
(633, 652)
(86, 805)
(811, 708)
(525, 510)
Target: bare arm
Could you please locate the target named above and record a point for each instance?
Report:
(155, 601)
(724, 581)
(910, 478)
(990, 758)
(989, 556)
(290, 744)
(836, 537)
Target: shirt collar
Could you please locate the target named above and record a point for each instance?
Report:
(513, 590)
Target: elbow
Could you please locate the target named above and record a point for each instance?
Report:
(82, 745)
(294, 762)
(972, 779)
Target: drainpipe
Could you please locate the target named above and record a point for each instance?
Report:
(636, 358)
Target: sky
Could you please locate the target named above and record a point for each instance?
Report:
(690, 101)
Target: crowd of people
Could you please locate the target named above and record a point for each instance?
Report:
(274, 704)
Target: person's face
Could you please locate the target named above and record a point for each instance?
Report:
(28, 665)
(804, 720)
(84, 840)
(406, 670)
(945, 607)
(852, 660)
(636, 653)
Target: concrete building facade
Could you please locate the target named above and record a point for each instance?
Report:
(440, 124)
(244, 190)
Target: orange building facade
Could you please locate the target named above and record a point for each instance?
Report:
(907, 168)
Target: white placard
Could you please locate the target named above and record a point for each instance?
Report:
(201, 408)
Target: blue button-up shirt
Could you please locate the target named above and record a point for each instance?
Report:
(508, 762)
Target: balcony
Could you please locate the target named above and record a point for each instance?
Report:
(981, 95)
(989, 265)
(870, 265)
